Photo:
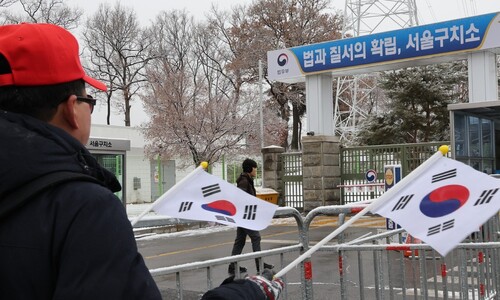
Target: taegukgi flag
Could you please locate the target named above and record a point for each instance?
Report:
(445, 204)
(206, 197)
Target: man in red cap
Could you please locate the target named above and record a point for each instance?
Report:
(70, 239)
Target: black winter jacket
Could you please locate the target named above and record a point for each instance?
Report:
(245, 182)
(72, 241)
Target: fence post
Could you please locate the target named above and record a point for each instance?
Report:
(271, 170)
(321, 171)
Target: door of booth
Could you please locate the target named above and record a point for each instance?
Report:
(114, 164)
(163, 174)
(111, 154)
(474, 138)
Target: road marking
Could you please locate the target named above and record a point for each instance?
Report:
(323, 221)
(214, 246)
(288, 242)
(188, 250)
(267, 238)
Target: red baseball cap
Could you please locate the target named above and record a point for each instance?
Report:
(41, 54)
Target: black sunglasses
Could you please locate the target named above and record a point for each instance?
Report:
(89, 99)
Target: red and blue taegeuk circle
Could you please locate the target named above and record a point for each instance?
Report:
(444, 200)
(371, 175)
(221, 206)
(282, 59)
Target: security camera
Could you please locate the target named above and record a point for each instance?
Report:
(310, 133)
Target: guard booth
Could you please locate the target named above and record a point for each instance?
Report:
(111, 153)
(475, 134)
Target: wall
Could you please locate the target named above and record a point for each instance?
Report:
(137, 165)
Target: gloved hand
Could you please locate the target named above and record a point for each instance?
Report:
(271, 287)
(258, 287)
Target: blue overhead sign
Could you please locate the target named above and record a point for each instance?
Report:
(445, 38)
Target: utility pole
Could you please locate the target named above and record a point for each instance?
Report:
(261, 118)
(261, 108)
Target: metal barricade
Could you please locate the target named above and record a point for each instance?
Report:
(193, 275)
(468, 273)
(374, 268)
(366, 266)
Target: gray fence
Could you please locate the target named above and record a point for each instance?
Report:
(355, 162)
(292, 180)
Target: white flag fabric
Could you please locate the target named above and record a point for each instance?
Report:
(445, 204)
(206, 197)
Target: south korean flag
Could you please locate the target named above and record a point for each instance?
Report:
(205, 197)
(445, 204)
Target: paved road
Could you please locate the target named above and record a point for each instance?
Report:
(174, 249)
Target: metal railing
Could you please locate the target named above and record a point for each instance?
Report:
(373, 266)
(208, 266)
(412, 271)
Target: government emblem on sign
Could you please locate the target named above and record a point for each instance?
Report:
(371, 175)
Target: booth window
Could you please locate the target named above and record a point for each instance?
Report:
(474, 138)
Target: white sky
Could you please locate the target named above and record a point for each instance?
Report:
(429, 11)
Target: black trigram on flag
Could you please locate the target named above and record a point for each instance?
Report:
(445, 175)
(250, 212)
(223, 218)
(441, 227)
(185, 206)
(210, 190)
(486, 197)
(402, 202)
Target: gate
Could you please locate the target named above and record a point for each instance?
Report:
(292, 180)
(356, 161)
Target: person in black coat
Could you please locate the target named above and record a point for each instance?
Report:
(245, 182)
(72, 240)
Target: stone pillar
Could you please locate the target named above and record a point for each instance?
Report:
(272, 169)
(320, 171)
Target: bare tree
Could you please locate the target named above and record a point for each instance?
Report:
(290, 23)
(118, 53)
(5, 13)
(239, 51)
(7, 3)
(193, 107)
(42, 11)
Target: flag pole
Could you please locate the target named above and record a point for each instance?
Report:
(372, 206)
(203, 165)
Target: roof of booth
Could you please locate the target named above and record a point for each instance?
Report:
(488, 109)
